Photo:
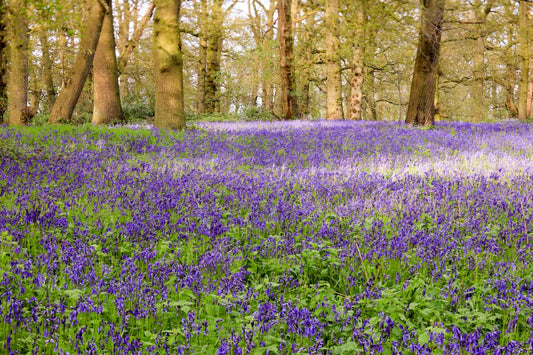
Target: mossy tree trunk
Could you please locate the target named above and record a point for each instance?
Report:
(18, 76)
(169, 106)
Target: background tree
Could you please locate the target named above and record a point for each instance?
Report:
(70, 93)
(169, 106)
(3, 61)
(18, 77)
(421, 109)
(524, 60)
(333, 66)
(285, 39)
(107, 105)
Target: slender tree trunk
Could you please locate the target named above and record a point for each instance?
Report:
(358, 54)
(47, 70)
(214, 51)
(478, 88)
(333, 65)
(421, 109)
(169, 105)
(202, 56)
(267, 73)
(18, 77)
(67, 99)
(436, 100)
(131, 44)
(62, 44)
(107, 107)
(3, 62)
(305, 74)
(530, 86)
(285, 39)
(524, 60)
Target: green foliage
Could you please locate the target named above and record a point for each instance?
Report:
(135, 112)
(255, 113)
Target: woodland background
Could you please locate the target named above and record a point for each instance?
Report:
(232, 64)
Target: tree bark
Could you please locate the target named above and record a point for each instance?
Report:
(530, 86)
(70, 93)
(18, 77)
(202, 56)
(524, 60)
(214, 55)
(421, 109)
(480, 108)
(47, 70)
(358, 53)
(333, 65)
(3, 62)
(169, 105)
(107, 107)
(267, 87)
(305, 74)
(285, 40)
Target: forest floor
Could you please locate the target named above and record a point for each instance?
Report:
(278, 238)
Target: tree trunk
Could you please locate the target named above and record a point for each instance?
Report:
(267, 87)
(3, 62)
(202, 56)
(131, 44)
(285, 40)
(358, 53)
(47, 70)
(18, 77)
(67, 99)
(107, 108)
(524, 61)
(169, 105)
(305, 75)
(478, 88)
(421, 109)
(333, 65)
(214, 52)
(530, 87)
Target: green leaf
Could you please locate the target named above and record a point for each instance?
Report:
(423, 339)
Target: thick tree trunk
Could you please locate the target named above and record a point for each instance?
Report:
(285, 40)
(47, 70)
(3, 62)
(18, 77)
(333, 65)
(107, 108)
(524, 60)
(169, 105)
(421, 109)
(67, 99)
(358, 53)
